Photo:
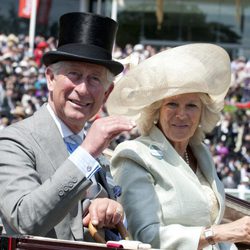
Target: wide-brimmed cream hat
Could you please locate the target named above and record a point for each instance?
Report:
(191, 68)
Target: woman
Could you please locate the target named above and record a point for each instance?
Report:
(172, 196)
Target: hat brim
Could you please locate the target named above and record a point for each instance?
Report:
(193, 68)
(56, 56)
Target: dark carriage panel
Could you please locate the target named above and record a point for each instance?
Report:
(40, 243)
(235, 209)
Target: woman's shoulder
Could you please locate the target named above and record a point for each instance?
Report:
(130, 153)
(135, 149)
(142, 150)
(137, 145)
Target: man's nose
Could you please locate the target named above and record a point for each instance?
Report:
(82, 86)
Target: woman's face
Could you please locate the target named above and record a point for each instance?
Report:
(180, 116)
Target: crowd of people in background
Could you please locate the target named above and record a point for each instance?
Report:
(23, 90)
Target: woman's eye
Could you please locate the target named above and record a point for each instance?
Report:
(192, 105)
(171, 104)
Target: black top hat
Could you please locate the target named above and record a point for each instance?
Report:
(85, 37)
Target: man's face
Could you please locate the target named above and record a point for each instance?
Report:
(77, 92)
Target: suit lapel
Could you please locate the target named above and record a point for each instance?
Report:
(48, 137)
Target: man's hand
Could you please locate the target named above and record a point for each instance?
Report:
(104, 212)
(102, 131)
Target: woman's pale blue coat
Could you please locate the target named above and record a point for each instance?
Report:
(163, 199)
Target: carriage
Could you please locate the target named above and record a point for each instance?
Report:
(235, 209)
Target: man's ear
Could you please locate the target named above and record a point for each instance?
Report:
(49, 74)
(107, 93)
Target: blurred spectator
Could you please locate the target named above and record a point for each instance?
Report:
(39, 51)
(18, 114)
(228, 179)
(4, 122)
(243, 186)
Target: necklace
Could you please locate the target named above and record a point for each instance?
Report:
(186, 157)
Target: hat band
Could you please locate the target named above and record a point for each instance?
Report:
(84, 50)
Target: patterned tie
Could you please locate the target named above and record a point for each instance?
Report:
(72, 142)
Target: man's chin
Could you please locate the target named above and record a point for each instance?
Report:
(80, 117)
(77, 118)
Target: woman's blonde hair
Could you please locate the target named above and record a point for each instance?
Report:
(210, 115)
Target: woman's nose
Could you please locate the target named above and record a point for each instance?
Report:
(180, 113)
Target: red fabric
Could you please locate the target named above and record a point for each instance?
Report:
(24, 9)
(245, 105)
(43, 11)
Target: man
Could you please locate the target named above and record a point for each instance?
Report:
(47, 187)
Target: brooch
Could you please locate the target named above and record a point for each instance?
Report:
(156, 152)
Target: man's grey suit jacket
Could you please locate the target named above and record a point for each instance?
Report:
(40, 189)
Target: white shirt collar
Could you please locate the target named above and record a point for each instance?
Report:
(63, 129)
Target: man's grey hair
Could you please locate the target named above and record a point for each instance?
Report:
(55, 67)
(209, 118)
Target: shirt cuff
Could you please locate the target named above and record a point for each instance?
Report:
(85, 162)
